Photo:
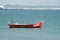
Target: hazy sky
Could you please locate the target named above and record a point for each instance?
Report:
(31, 2)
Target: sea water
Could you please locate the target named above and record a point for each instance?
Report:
(49, 31)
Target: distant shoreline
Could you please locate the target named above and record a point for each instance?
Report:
(30, 8)
(19, 7)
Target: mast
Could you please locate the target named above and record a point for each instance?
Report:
(10, 21)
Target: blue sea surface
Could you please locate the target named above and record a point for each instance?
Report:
(49, 31)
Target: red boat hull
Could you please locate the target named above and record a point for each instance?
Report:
(39, 25)
(23, 26)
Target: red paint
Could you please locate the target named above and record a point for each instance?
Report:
(39, 25)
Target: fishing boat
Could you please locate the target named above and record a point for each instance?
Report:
(17, 25)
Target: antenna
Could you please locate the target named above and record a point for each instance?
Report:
(11, 21)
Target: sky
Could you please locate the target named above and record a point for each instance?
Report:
(31, 2)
